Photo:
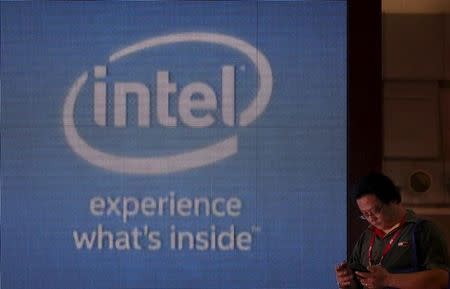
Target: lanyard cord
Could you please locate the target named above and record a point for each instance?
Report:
(386, 248)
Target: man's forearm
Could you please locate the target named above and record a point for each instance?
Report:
(429, 279)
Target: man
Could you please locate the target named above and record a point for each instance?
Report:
(398, 249)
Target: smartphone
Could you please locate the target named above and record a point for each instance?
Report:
(358, 267)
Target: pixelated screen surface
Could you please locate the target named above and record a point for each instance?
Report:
(173, 144)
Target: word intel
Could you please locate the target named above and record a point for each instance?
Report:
(188, 106)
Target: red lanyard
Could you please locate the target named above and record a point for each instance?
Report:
(386, 248)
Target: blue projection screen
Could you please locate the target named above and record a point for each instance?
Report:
(173, 144)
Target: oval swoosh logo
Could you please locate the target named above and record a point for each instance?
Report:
(177, 162)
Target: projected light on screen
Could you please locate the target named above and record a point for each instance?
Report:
(173, 144)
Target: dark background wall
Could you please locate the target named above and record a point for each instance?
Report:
(399, 102)
(416, 89)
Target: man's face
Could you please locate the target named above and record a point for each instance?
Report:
(374, 211)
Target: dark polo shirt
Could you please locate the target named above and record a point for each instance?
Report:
(431, 247)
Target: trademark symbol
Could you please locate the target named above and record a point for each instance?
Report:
(256, 229)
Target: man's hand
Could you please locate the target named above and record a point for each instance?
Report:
(344, 275)
(375, 278)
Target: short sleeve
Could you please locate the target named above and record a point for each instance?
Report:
(431, 247)
(356, 258)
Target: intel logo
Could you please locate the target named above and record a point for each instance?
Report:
(215, 105)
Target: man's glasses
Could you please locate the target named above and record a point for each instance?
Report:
(371, 213)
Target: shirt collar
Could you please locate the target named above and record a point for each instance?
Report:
(411, 216)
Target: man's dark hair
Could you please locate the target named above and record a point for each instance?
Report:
(379, 185)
